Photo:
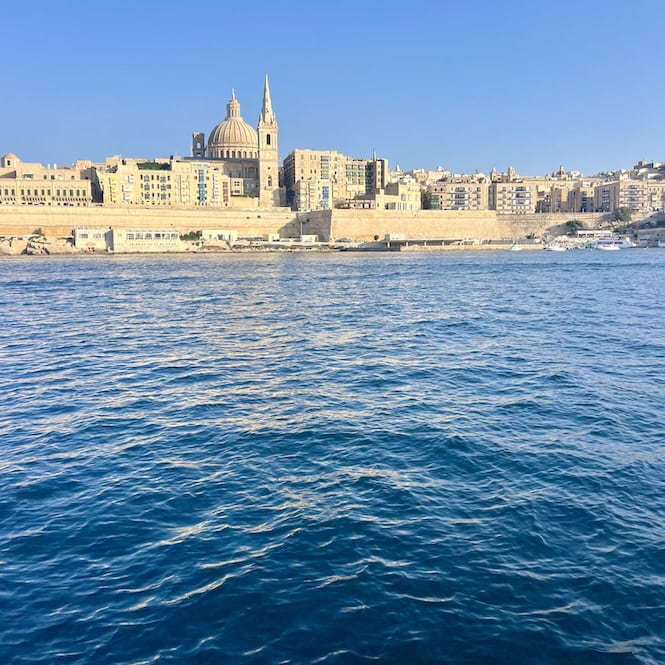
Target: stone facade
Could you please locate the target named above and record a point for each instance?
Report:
(24, 183)
(395, 196)
(482, 225)
(59, 221)
(247, 156)
(170, 183)
(457, 194)
(640, 196)
(324, 179)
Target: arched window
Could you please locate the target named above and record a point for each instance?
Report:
(233, 154)
(267, 139)
(244, 154)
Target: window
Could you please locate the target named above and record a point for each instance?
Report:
(267, 139)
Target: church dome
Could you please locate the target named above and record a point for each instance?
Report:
(233, 137)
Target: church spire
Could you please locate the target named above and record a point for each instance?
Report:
(267, 115)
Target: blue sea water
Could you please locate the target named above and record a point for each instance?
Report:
(333, 458)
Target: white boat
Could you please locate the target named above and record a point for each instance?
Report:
(554, 248)
(610, 244)
(516, 247)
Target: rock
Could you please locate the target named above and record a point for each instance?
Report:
(12, 246)
(36, 246)
(62, 246)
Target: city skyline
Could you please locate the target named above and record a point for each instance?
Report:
(465, 89)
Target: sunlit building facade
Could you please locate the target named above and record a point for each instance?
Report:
(27, 183)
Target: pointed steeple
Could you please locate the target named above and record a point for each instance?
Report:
(267, 115)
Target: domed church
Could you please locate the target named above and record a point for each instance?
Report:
(249, 155)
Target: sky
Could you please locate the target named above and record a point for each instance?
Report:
(466, 85)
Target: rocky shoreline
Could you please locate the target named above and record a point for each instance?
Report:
(43, 246)
(36, 246)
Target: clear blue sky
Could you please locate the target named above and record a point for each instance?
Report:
(467, 85)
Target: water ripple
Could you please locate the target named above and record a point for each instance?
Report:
(333, 459)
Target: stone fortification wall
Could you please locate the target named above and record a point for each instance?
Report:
(57, 222)
(357, 225)
(520, 226)
(364, 225)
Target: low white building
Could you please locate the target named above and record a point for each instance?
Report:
(93, 239)
(146, 240)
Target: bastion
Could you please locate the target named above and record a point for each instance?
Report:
(327, 225)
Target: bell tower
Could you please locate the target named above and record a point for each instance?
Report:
(268, 157)
(198, 144)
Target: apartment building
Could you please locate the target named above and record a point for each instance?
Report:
(171, 183)
(457, 193)
(640, 196)
(323, 179)
(28, 183)
(514, 198)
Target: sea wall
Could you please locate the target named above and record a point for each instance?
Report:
(365, 225)
(520, 226)
(58, 222)
(357, 225)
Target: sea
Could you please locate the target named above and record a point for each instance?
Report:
(333, 458)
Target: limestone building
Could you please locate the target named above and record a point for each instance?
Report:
(640, 196)
(27, 183)
(174, 182)
(242, 153)
(395, 196)
(326, 179)
(457, 193)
